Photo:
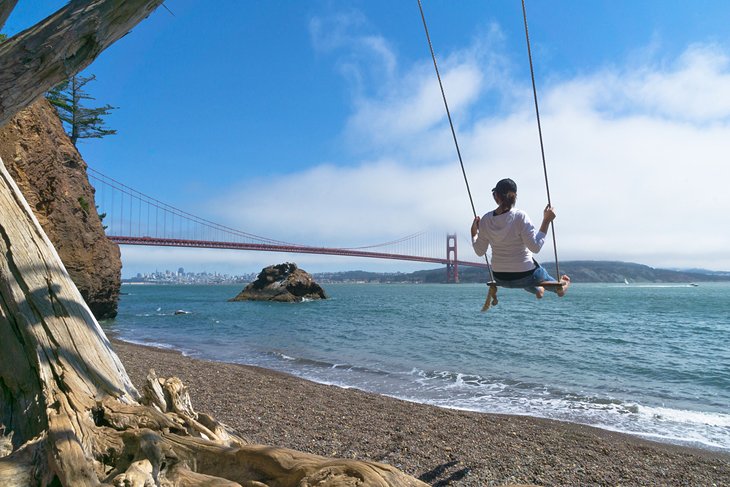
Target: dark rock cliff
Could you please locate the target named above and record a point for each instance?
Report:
(282, 282)
(52, 176)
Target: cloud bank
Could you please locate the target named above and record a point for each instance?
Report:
(637, 155)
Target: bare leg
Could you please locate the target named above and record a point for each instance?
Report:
(565, 280)
(540, 292)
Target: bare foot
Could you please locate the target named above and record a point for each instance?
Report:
(540, 292)
(565, 280)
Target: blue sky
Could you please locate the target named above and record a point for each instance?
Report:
(225, 107)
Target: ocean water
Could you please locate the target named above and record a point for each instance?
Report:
(650, 360)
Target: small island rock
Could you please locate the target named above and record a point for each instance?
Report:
(282, 282)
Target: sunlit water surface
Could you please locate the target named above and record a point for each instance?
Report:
(651, 360)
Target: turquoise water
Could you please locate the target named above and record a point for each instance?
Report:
(651, 360)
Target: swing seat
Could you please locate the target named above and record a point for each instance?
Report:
(555, 286)
(552, 285)
(545, 284)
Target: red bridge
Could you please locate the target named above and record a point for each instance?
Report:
(133, 218)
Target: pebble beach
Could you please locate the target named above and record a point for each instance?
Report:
(442, 447)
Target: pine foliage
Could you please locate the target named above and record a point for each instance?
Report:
(80, 121)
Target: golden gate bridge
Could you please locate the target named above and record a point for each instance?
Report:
(134, 218)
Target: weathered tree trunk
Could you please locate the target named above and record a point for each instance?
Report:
(56, 360)
(39, 58)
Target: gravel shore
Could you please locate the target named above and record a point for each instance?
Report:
(442, 447)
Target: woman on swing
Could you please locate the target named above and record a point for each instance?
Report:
(514, 238)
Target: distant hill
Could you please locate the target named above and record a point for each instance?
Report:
(607, 271)
(363, 276)
(578, 270)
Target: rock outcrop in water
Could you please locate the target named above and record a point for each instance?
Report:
(52, 176)
(282, 282)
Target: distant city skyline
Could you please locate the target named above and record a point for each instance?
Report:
(233, 276)
(182, 277)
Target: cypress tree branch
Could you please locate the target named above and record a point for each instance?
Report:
(60, 46)
(80, 121)
(6, 8)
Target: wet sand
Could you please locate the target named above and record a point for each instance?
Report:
(442, 447)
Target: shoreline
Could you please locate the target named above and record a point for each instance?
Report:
(438, 445)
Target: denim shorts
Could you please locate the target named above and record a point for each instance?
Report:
(530, 282)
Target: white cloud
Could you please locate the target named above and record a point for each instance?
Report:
(637, 161)
(692, 88)
(646, 181)
(413, 108)
(347, 35)
(346, 206)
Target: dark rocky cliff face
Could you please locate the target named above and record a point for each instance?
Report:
(52, 176)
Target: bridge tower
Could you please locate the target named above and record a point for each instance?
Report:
(452, 263)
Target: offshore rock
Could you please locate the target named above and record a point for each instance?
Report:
(52, 176)
(282, 282)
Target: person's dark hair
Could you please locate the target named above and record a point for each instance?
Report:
(507, 190)
(509, 199)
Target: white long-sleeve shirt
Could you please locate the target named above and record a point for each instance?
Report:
(513, 238)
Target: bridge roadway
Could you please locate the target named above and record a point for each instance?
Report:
(169, 242)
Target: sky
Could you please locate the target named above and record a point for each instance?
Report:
(321, 121)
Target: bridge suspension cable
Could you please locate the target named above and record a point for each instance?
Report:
(150, 202)
(134, 218)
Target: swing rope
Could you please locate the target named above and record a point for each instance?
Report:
(539, 131)
(492, 283)
(448, 114)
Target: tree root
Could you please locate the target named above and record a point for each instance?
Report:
(213, 454)
(138, 445)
